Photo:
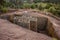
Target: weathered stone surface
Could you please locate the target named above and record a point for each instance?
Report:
(53, 25)
(53, 30)
(9, 31)
(28, 20)
(39, 22)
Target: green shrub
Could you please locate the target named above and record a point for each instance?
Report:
(48, 5)
(26, 5)
(57, 13)
(42, 6)
(33, 5)
(4, 10)
(52, 9)
(21, 7)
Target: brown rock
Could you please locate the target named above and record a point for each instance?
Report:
(9, 31)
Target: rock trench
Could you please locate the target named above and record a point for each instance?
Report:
(32, 22)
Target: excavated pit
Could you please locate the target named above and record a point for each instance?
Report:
(32, 22)
(10, 31)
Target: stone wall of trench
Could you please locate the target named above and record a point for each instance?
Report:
(37, 26)
(42, 25)
(52, 31)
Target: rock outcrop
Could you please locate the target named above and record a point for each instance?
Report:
(36, 22)
(10, 31)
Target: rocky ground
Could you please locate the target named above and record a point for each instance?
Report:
(9, 31)
(14, 32)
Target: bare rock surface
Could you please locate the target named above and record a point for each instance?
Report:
(54, 21)
(9, 31)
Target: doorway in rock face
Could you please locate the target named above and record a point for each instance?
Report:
(42, 25)
(33, 26)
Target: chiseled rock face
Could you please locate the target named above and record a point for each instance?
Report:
(29, 21)
(53, 30)
(50, 29)
(9, 31)
(35, 22)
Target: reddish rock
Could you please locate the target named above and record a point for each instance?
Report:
(53, 26)
(9, 31)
